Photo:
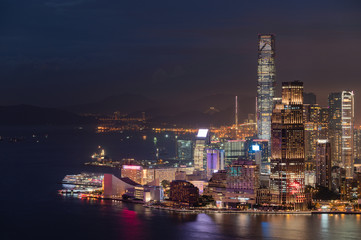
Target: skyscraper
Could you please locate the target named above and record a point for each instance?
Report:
(199, 149)
(341, 127)
(335, 127)
(347, 122)
(323, 163)
(288, 153)
(265, 84)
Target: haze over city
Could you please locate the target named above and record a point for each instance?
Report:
(59, 53)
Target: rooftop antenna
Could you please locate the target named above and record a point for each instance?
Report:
(236, 113)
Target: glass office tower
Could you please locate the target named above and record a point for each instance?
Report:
(347, 123)
(266, 84)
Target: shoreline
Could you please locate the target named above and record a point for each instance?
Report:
(232, 211)
(196, 211)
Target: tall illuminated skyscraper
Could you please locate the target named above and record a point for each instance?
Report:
(199, 149)
(323, 163)
(335, 127)
(265, 84)
(288, 147)
(347, 122)
(341, 127)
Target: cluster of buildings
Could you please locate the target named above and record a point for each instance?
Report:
(268, 161)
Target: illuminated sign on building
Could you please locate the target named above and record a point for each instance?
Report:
(131, 167)
(255, 147)
(202, 133)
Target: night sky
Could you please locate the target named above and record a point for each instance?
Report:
(63, 52)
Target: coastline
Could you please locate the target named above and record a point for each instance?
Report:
(248, 212)
(231, 211)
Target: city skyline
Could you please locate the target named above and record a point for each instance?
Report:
(180, 119)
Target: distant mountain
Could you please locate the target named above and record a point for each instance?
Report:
(215, 109)
(32, 115)
(124, 103)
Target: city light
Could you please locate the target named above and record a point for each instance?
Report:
(202, 133)
(132, 167)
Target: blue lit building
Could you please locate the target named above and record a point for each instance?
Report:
(257, 150)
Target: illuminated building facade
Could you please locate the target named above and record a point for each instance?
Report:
(199, 154)
(341, 128)
(243, 176)
(347, 121)
(357, 143)
(215, 161)
(315, 128)
(323, 130)
(233, 150)
(335, 127)
(199, 149)
(266, 84)
(183, 192)
(133, 172)
(323, 164)
(287, 142)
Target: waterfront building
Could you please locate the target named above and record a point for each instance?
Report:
(288, 156)
(347, 123)
(200, 184)
(184, 149)
(323, 164)
(114, 187)
(243, 176)
(266, 84)
(235, 187)
(156, 194)
(183, 192)
(155, 176)
(149, 177)
(133, 172)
